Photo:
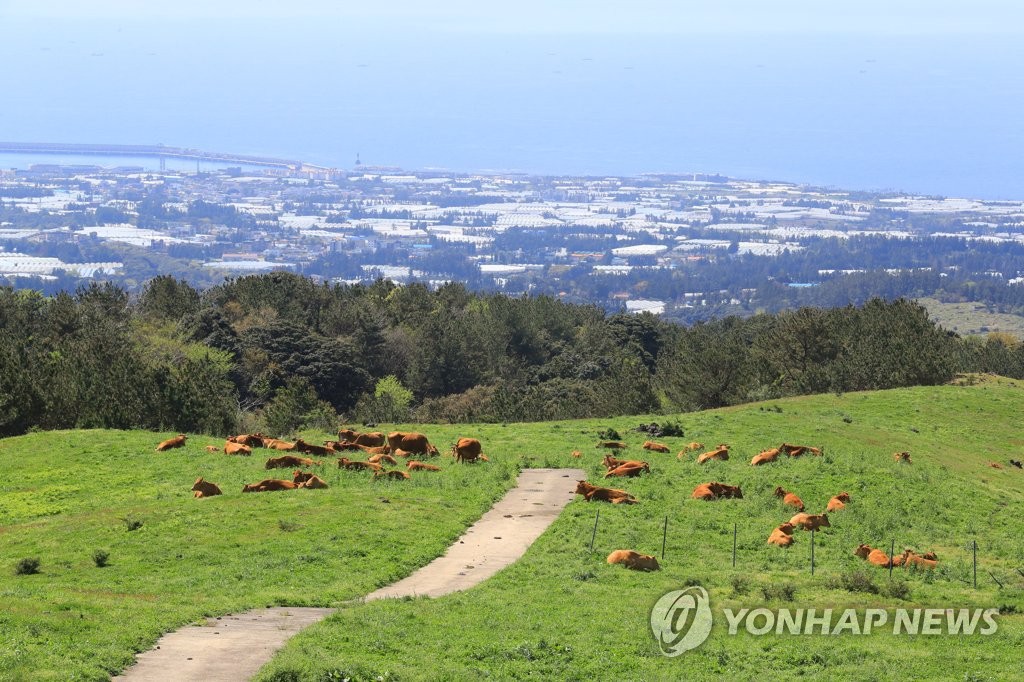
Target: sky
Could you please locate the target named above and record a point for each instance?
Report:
(914, 95)
(571, 16)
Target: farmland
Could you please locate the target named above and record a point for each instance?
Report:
(561, 611)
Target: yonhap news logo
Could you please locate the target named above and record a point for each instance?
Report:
(681, 620)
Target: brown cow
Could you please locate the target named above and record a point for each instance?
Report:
(995, 465)
(176, 442)
(790, 499)
(370, 440)
(205, 488)
(347, 435)
(377, 459)
(911, 558)
(299, 476)
(314, 483)
(629, 469)
(275, 444)
(237, 449)
(716, 491)
(634, 560)
(782, 535)
(577, 454)
(310, 449)
(468, 450)
(765, 456)
(693, 447)
(252, 440)
(797, 450)
(901, 457)
(212, 448)
(592, 492)
(838, 502)
(612, 463)
(874, 556)
(720, 453)
(655, 447)
(346, 463)
(413, 465)
(416, 443)
(289, 461)
(396, 474)
(612, 445)
(810, 521)
(269, 484)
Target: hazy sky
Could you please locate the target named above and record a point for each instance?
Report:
(914, 94)
(573, 16)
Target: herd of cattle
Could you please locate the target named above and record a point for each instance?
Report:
(781, 536)
(380, 449)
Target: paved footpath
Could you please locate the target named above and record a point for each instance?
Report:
(233, 648)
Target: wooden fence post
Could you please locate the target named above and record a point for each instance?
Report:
(664, 538)
(594, 534)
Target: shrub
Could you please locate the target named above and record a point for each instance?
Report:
(897, 589)
(27, 566)
(609, 434)
(100, 558)
(858, 581)
(740, 583)
(287, 526)
(778, 591)
(131, 523)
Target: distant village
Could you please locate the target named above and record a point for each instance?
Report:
(684, 246)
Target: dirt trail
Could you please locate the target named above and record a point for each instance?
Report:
(233, 648)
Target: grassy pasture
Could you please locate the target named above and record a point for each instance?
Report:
(559, 613)
(563, 613)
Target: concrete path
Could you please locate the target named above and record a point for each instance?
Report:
(234, 648)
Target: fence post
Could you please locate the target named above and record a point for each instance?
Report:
(594, 534)
(812, 551)
(664, 538)
(975, 543)
(734, 545)
(892, 556)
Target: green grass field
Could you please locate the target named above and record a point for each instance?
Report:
(561, 612)
(972, 318)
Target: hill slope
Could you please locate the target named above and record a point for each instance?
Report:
(562, 612)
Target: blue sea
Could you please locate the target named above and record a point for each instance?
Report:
(927, 114)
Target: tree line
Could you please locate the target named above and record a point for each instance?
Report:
(281, 351)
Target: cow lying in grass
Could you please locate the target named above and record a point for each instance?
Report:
(789, 499)
(810, 521)
(354, 465)
(176, 442)
(720, 453)
(654, 447)
(592, 492)
(393, 474)
(634, 560)
(231, 448)
(765, 457)
(377, 459)
(911, 558)
(289, 462)
(901, 457)
(269, 484)
(205, 488)
(782, 535)
(305, 479)
(874, 556)
(252, 440)
(629, 469)
(275, 444)
(797, 450)
(838, 502)
(413, 465)
(716, 491)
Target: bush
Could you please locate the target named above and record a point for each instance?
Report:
(296, 405)
(27, 566)
(740, 583)
(609, 434)
(854, 581)
(897, 589)
(779, 591)
(131, 523)
(100, 558)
